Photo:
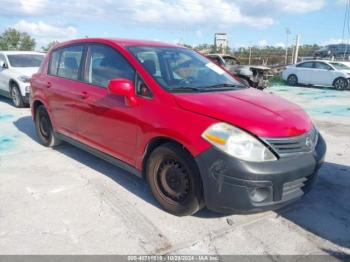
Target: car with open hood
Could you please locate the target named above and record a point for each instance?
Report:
(165, 113)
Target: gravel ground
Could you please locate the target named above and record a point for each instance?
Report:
(66, 201)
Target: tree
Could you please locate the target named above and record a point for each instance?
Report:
(12, 39)
(49, 45)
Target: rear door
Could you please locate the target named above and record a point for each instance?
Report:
(323, 74)
(104, 121)
(304, 72)
(64, 87)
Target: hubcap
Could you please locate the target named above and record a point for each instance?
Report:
(173, 180)
(292, 80)
(340, 84)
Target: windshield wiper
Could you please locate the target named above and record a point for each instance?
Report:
(226, 86)
(185, 89)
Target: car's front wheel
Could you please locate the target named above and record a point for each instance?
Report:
(292, 80)
(16, 96)
(44, 128)
(174, 180)
(340, 83)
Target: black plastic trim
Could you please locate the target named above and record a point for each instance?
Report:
(227, 181)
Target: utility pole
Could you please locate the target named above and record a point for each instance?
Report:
(296, 52)
(250, 55)
(287, 42)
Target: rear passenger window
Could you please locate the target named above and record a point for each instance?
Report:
(104, 64)
(70, 61)
(306, 65)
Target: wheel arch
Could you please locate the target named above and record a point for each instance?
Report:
(13, 82)
(157, 142)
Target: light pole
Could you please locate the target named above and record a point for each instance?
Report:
(287, 40)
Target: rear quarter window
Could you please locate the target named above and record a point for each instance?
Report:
(53, 65)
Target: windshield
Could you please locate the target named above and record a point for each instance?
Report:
(340, 66)
(180, 69)
(25, 60)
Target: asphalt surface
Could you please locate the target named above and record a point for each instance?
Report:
(66, 201)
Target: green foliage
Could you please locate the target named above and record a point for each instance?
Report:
(12, 39)
(49, 45)
(269, 55)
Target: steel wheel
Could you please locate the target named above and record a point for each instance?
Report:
(173, 180)
(44, 129)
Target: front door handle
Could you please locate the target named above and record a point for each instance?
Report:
(48, 85)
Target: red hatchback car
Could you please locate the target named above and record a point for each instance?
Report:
(168, 114)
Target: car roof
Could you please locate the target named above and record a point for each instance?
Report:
(21, 53)
(118, 41)
(312, 61)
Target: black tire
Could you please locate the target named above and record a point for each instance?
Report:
(174, 180)
(340, 83)
(16, 96)
(44, 128)
(292, 80)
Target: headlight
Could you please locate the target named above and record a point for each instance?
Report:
(24, 79)
(237, 143)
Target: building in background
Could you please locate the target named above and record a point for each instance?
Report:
(221, 42)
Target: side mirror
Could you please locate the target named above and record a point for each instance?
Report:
(3, 64)
(123, 87)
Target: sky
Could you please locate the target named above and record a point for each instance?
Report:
(247, 23)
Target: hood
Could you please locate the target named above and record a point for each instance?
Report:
(345, 71)
(26, 71)
(260, 113)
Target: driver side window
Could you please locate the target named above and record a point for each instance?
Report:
(105, 63)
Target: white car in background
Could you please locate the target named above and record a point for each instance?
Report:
(16, 69)
(319, 73)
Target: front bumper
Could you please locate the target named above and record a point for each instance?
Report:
(235, 186)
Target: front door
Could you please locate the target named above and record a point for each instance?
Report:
(323, 74)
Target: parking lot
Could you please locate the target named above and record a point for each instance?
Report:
(66, 201)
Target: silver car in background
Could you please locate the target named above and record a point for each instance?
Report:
(319, 73)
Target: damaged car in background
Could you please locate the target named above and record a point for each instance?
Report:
(252, 75)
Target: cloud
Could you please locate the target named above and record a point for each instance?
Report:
(262, 43)
(280, 44)
(333, 41)
(45, 33)
(23, 7)
(218, 14)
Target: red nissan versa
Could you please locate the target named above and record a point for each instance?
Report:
(166, 113)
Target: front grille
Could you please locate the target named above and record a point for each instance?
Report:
(294, 145)
(296, 185)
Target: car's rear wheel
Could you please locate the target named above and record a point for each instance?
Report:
(174, 180)
(340, 83)
(292, 80)
(16, 96)
(44, 128)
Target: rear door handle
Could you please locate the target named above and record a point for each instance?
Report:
(84, 95)
(48, 85)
